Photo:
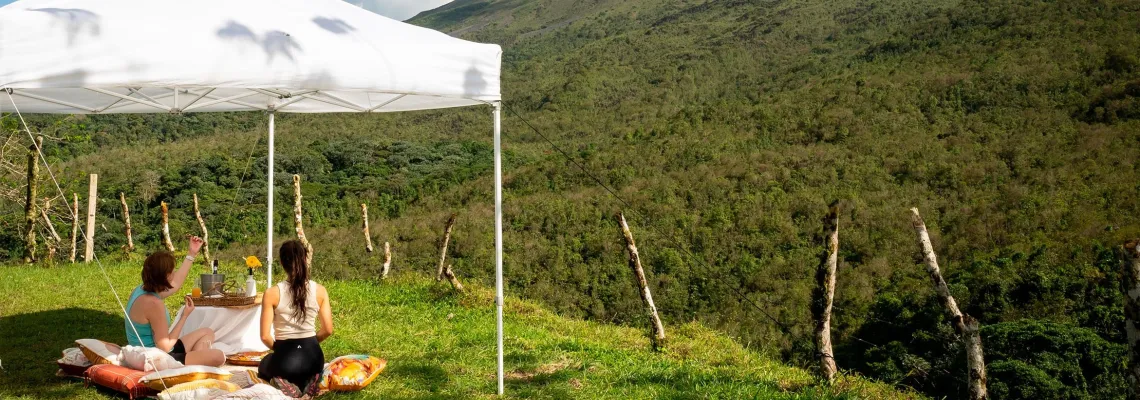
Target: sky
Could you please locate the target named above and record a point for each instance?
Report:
(395, 9)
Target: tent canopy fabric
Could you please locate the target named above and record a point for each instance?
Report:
(306, 56)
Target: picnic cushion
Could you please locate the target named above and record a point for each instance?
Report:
(120, 379)
(351, 373)
(247, 358)
(203, 389)
(161, 380)
(99, 352)
(73, 363)
(259, 391)
(136, 357)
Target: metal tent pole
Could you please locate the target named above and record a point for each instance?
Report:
(499, 243)
(269, 213)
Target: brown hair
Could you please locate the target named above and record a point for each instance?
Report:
(156, 271)
(294, 259)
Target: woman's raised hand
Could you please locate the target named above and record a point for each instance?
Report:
(195, 245)
(189, 306)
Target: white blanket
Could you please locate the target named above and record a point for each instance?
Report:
(235, 330)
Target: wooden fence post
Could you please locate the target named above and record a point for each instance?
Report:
(205, 233)
(825, 293)
(367, 235)
(966, 326)
(89, 239)
(443, 246)
(30, 213)
(1131, 286)
(297, 219)
(127, 223)
(387, 261)
(166, 242)
(74, 225)
(642, 283)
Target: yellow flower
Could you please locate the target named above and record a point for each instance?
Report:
(252, 262)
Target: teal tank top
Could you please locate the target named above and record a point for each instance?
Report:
(144, 330)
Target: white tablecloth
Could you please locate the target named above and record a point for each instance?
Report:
(235, 330)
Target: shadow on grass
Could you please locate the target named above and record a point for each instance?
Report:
(30, 343)
(427, 376)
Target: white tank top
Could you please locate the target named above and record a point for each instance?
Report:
(287, 327)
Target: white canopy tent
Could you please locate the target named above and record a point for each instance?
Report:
(303, 56)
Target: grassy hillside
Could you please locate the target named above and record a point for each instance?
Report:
(728, 126)
(438, 345)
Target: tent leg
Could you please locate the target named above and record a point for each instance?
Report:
(269, 213)
(499, 243)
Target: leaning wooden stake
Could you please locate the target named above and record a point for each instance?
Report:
(297, 219)
(47, 221)
(30, 213)
(205, 233)
(443, 247)
(966, 326)
(74, 225)
(1131, 286)
(54, 241)
(127, 223)
(166, 229)
(367, 236)
(447, 272)
(642, 283)
(825, 294)
(387, 261)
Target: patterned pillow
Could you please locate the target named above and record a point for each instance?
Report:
(119, 379)
(162, 380)
(99, 352)
(203, 389)
(351, 373)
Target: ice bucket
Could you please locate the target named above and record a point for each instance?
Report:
(213, 284)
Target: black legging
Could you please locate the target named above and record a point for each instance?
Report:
(295, 360)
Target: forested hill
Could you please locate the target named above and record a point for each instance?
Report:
(728, 127)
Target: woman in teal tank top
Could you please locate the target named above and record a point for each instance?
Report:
(148, 321)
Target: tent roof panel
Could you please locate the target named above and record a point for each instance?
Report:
(132, 56)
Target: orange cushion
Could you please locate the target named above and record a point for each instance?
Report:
(120, 379)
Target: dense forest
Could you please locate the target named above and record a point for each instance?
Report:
(725, 128)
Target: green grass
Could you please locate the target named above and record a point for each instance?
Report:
(439, 344)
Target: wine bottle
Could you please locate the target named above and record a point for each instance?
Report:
(214, 268)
